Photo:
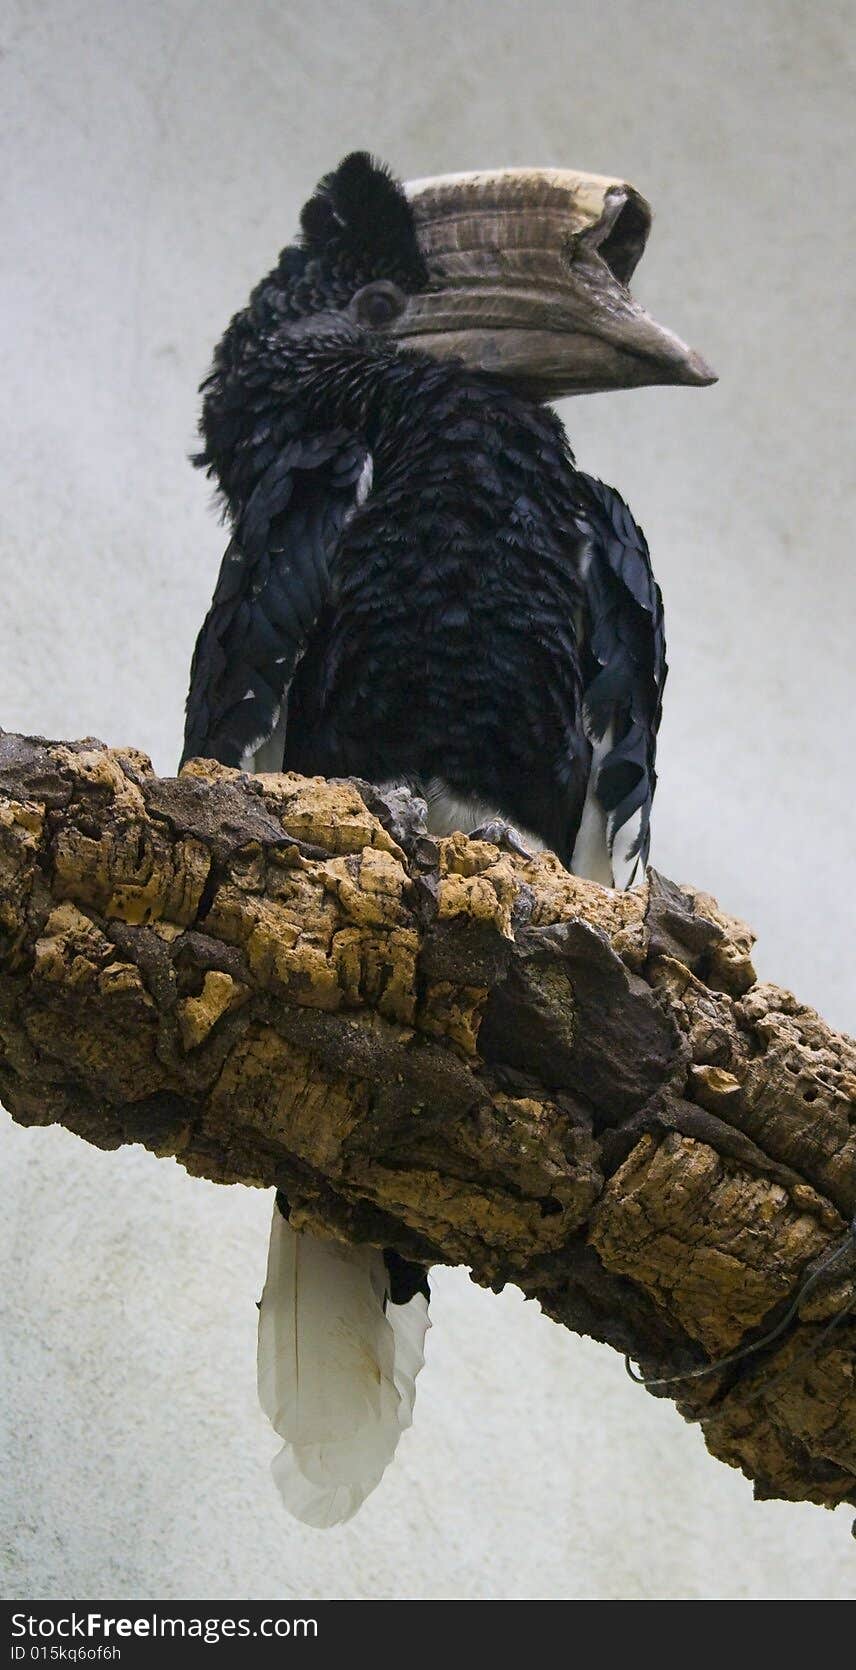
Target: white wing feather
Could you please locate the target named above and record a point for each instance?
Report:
(336, 1370)
(591, 856)
(599, 853)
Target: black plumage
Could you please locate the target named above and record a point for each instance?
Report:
(483, 615)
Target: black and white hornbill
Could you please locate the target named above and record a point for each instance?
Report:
(421, 588)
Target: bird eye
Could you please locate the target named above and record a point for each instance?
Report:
(378, 305)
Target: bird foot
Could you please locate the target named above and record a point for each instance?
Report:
(500, 834)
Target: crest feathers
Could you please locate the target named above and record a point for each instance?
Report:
(359, 220)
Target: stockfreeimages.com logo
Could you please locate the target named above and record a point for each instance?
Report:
(66, 1637)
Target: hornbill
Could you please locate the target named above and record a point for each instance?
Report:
(422, 589)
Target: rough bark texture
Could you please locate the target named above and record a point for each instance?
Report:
(466, 1055)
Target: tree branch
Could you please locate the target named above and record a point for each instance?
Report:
(463, 1054)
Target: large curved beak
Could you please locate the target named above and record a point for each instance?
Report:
(528, 274)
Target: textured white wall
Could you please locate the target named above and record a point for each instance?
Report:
(156, 158)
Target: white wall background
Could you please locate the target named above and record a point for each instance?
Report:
(154, 161)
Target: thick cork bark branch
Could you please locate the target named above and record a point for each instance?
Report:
(460, 1053)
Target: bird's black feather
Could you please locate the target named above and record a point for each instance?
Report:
(449, 650)
(273, 584)
(624, 655)
(359, 226)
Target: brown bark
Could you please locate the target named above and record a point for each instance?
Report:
(436, 1046)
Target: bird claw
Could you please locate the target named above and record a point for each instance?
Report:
(500, 834)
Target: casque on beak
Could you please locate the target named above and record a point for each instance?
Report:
(528, 273)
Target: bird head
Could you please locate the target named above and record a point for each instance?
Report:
(522, 272)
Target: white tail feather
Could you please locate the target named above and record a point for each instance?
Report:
(337, 1366)
(410, 1324)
